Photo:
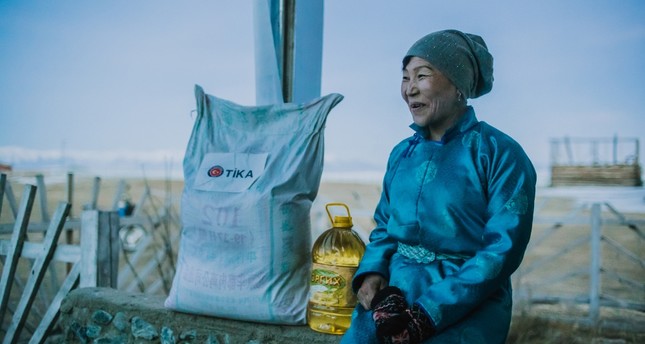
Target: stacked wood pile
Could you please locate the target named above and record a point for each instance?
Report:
(610, 161)
(614, 175)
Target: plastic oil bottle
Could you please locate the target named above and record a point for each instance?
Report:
(336, 254)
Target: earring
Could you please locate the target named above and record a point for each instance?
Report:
(459, 97)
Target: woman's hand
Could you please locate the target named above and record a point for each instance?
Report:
(371, 285)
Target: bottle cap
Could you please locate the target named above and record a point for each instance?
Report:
(340, 221)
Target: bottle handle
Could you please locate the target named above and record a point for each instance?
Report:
(336, 204)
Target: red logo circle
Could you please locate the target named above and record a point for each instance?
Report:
(215, 171)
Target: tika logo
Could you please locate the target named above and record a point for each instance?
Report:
(215, 171)
(218, 171)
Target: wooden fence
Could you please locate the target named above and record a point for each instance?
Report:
(102, 261)
(591, 256)
(602, 249)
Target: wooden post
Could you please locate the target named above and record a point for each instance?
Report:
(614, 151)
(69, 233)
(42, 192)
(95, 193)
(11, 198)
(596, 254)
(3, 181)
(146, 195)
(99, 248)
(567, 147)
(120, 191)
(15, 248)
(70, 192)
(637, 152)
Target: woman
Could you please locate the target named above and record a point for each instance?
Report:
(455, 214)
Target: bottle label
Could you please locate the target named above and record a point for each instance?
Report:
(331, 285)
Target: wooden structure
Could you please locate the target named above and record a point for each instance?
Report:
(586, 238)
(608, 161)
(147, 265)
(90, 265)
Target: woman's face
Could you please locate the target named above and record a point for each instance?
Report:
(431, 97)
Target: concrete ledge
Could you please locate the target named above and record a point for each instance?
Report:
(103, 315)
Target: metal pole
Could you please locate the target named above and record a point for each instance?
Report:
(567, 146)
(615, 150)
(288, 24)
(637, 152)
(594, 273)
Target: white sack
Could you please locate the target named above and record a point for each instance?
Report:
(251, 174)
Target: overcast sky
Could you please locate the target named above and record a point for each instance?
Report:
(119, 75)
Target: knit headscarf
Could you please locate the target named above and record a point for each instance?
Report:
(462, 57)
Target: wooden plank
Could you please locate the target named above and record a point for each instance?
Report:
(39, 227)
(69, 234)
(541, 262)
(108, 250)
(95, 193)
(558, 278)
(70, 192)
(11, 198)
(31, 250)
(144, 197)
(89, 247)
(42, 192)
(17, 241)
(71, 281)
(30, 325)
(37, 274)
(548, 220)
(623, 280)
(3, 181)
(118, 195)
(99, 248)
(633, 225)
(620, 249)
(616, 302)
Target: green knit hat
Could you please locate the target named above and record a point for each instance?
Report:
(461, 57)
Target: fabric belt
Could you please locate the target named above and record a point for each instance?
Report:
(422, 255)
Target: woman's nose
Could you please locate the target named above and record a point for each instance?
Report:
(411, 87)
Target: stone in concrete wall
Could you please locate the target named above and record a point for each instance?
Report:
(104, 315)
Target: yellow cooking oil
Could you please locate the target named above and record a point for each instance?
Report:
(335, 254)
